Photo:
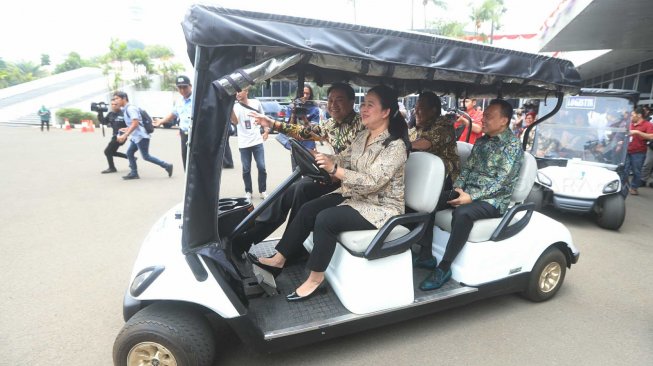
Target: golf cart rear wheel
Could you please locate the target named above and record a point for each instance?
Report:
(547, 275)
(611, 211)
(165, 334)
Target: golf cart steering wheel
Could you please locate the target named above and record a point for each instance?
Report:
(306, 163)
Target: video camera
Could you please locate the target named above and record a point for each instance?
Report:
(299, 109)
(100, 107)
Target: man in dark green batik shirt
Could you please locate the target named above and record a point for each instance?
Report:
(485, 185)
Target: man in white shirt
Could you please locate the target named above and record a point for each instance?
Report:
(250, 141)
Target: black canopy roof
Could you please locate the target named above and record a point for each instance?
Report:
(365, 56)
(231, 49)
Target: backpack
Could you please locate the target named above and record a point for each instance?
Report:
(147, 122)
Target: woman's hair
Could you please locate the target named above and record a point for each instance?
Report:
(398, 128)
(532, 114)
(310, 89)
(432, 101)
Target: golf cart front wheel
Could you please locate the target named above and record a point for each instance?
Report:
(165, 334)
(611, 211)
(547, 275)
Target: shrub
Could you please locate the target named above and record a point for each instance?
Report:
(75, 116)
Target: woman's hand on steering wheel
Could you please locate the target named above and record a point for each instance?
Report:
(324, 162)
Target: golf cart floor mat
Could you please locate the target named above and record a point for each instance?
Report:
(277, 317)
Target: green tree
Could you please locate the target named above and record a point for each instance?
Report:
(438, 4)
(45, 59)
(117, 51)
(159, 51)
(140, 58)
(73, 62)
(445, 28)
(169, 71)
(488, 10)
(133, 44)
(28, 71)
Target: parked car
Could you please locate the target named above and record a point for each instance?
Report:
(187, 274)
(274, 110)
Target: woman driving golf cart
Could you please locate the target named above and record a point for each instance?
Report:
(372, 175)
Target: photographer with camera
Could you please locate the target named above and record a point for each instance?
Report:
(305, 113)
(116, 120)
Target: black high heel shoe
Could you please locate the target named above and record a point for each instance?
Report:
(275, 271)
(318, 290)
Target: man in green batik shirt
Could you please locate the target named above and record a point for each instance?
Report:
(485, 185)
(339, 131)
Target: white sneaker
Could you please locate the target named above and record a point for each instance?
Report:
(248, 195)
(264, 195)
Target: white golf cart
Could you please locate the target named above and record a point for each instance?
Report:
(186, 273)
(581, 153)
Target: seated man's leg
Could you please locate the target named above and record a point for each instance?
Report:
(461, 225)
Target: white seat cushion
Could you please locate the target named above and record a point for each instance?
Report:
(358, 241)
(482, 230)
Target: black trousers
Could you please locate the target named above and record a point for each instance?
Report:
(45, 123)
(426, 242)
(326, 219)
(184, 146)
(112, 150)
(461, 225)
(300, 192)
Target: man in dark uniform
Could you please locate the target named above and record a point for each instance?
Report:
(116, 120)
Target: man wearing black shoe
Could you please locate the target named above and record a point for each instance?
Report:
(339, 131)
(138, 136)
(484, 186)
(116, 120)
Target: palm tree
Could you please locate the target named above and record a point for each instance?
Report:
(438, 4)
(489, 10)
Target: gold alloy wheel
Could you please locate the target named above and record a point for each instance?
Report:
(550, 277)
(150, 353)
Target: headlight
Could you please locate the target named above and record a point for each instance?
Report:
(611, 187)
(542, 178)
(144, 278)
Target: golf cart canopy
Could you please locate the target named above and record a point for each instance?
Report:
(233, 49)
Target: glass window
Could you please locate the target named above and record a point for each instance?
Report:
(629, 82)
(647, 65)
(645, 82)
(619, 73)
(632, 69)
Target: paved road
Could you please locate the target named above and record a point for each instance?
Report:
(69, 237)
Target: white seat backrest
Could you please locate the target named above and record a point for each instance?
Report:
(527, 175)
(464, 149)
(423, 178)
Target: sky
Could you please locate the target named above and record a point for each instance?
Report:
(59, 27)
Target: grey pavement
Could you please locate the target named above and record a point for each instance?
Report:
(69, 237)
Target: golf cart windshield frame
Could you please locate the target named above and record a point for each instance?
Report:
(232, 49)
